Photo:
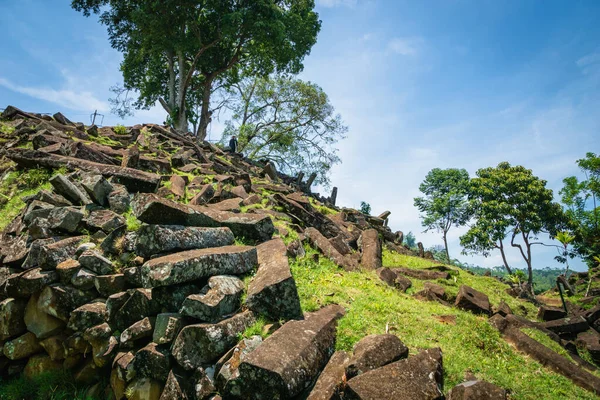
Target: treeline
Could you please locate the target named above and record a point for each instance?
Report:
(507, 208)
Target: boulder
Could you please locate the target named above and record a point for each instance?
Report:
(567, 325)
(390, 277)
(174, 388)
(370, 246)
(590, 340)
(476, 390)
(422, 274)
(157, 239)
(105, 220)
(83, 279)
(502, 309)
(331, 379)
(21, 347)
(203, 196)
(65, 218)
(167, 327)
(12, 312)
(38, 322)
(139, 330)
(152, 209)
(203, 343)
(227, 366)
(320, 242)
(287, 361)
(471, 300)
(87, 316)
(126, 308)
(221, 297)
(171, 298)
(152, 361)
(250, 226)
(96, 262)
(144, 389)
(108, 285)
(547, 313)
(198, 264)
(53, 254)
(69, 190)
(118, 199)
(29, 282)
(272, 292)
(227, 205)
(177, 186)
(54, 347)
(417, 377)
(97, 187)
(39, 364)
(60, 300)
(375, 351)
(67, 269)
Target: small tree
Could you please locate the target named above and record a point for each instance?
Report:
(445, 202)
(365, 208)
(288, 121)
(410, 240)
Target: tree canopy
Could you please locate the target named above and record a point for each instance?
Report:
(509, 201)
(288, 121)
(178, 52)
(445, 202)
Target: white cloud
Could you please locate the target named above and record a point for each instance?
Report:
(80, 101)
(404, 46)
(337, 3)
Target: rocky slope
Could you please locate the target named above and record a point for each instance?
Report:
(146, 262)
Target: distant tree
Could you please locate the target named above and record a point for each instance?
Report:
(365, 208)
(580, 200)
(445, 202)
(288, 121)
(178, 52)
(410, 240)
(511, 201)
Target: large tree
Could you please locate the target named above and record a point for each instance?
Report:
(511, 202)
(178, 51)
(288, 121)
(445, 202)
(581, 199)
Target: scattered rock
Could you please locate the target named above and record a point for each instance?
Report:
(220, 298)
(12, 313)
(167, 327)
(375, 351)
(96, 262)
(477, 390)
(38, 322)
(547, 313)
(567, 325)
(390, 277)
(332, 378)
(24, 346)
(371, 249)
(471, 300)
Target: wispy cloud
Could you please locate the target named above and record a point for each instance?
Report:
(337, 3)
(80, 101)
(405, 46)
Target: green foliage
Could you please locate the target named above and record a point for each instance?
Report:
(133, 224)
(510, 201)
(470, 344)
(544, 279)
(445, 202)
(365, 208)
(120, 130)
(256, 328)
(170, 47)
(410, 240)
(6, 128)
(580, 200)
(288, 121)
(49, 386)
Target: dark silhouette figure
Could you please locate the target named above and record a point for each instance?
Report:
(233, 144)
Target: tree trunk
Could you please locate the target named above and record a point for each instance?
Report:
(205, 114)
(446, 245)
(181, 123)
(171, 101)
(501, 247)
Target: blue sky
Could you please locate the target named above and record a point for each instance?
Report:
(421, 84)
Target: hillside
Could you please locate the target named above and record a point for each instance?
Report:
(136, 263)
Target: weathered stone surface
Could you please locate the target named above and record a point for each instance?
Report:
(108, 285)
(69, 190)
(203, 343)
(83, 279)
(197, 264)
(152, 209)
(126, 308)
(422, 273)
(53, 254)
(590, 340)
(393, 279)
(417, 377)
(272, 291)
(135, 180)
(227, 366)
(12, 312)
(167, 327)
(39, 364)
(87, 316)
(331, 379)
(203, 196)
(97, 187)
(105, 220)
(54, 347)
(67, 269)
(174, 388)
(249, 226)
(152, 361)
(98, 332)
(320, 242)
(118, 199)
(220, 298)
(567, 325)
(29, 282)
(24, 346)
(287, 360)
(309, 219)
(433, 292)
(547, 313)
(476, 390)
(375, 351)
(59, 300)
(227, 205)
(33, 256)
(65, 218)
(370, 246)
(502, 309)
(471, 300)
(171, 298)
(38, 322)
(96, 262)
(157, 239)
(177, 186)
(139, 330)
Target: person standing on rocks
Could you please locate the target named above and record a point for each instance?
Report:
(233, 143)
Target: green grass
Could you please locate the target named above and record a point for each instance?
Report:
(120, 130)
(6, 128)
(471, 344)
(255, 329)
(133, 224)
(48, 386)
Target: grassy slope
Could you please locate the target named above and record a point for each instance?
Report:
(469, 345)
